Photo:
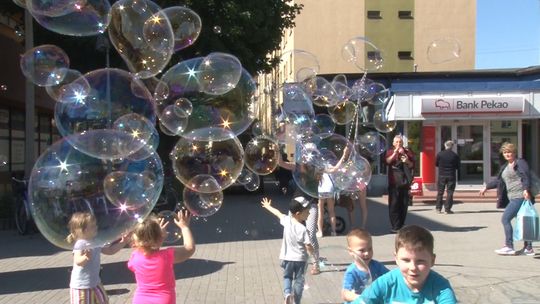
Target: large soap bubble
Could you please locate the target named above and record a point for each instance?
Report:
(146, 56)
(173, 232)
(83, 18)
(219, 73)
(322, 92)
(54, 8)
(444, 50)
(65, 181)
(261, 155)
(363, 54)
(60, 90)
(353, 175)
(302, 64)
(186, 25)
(233, 111)
(44, 65)
(382, 123)
(202, 204)
(222, 160)
(112, 94)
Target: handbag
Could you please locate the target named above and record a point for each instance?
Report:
(527, 223)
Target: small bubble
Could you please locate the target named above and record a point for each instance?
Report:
(246, 232)
(218, 230)
(3, 87)
(217, 29)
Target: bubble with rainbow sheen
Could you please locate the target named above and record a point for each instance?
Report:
(145, 56)
(173, 232)
(186, 25)
(65, 181)
(222, 160)
(354, 175)
(44, 65)
(232, 112)
(253, 184)
(304, 65)
(84, 18)
(261, 155)
(322, 92)
(112, 94)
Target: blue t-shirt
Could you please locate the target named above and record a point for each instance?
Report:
(356, 279)
(391, 288)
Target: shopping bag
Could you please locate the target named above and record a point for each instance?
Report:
(527, 223)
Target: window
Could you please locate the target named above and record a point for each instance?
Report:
(405, 15)
(405, 55)
(374, 55)
(374, 15)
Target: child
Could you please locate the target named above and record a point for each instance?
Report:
(153, 267)
(294, 247)
(85, 284)
(413, 281)
(363, 270)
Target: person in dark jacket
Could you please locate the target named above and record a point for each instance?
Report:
(448, 162)
(513, 185)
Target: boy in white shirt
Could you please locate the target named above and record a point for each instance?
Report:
(294, 247)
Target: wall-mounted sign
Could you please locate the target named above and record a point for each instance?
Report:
(464, 105)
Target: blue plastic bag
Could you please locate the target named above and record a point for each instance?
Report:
(527, 223)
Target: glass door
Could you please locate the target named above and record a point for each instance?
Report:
(469, 145)
(470, 148)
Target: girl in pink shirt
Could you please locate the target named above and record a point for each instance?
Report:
(152, 266)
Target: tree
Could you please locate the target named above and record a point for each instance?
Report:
(250, 30)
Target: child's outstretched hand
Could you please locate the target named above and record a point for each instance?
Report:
(266, 202)
(163, 225)
(183, 217)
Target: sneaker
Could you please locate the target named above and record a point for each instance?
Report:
(528, 251)
(289, 299)
(438, 211)
(449, 212)
(505, 251)
(319, 234)
(333, 233)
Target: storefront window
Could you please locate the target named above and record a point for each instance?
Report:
(501, 131)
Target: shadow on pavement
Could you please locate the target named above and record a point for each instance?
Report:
(15, 245)
(112, 273)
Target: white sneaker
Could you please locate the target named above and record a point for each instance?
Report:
(289, 299)
(505, 251)
(319, 234)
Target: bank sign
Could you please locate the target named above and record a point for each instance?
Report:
(463, 105)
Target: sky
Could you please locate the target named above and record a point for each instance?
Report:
(507, 33)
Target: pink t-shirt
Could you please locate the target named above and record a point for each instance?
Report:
(154, 275)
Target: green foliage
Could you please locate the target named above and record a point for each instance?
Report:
(249, 29)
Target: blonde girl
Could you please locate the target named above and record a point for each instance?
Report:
(85, 283)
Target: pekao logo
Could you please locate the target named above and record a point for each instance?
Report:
(442, 104)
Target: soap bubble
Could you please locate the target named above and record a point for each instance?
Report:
(343, 113)
(61, 90)
(323, 125)
(54, 8)
(253, 184)
(186, 25)
(84, 18)
(202, 204)
(321, 91)
(261, 155)
(302, 64)
(372, 142)
(217, 29)
(65, 181)
(363, 54)
(222, 160)
(219, 73)
(173, 232)
(44, 64)
(382, 123)
(443, 50)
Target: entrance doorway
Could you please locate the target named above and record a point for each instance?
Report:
(470, 144)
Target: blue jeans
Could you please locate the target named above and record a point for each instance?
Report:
(510, 212)
(293, 271)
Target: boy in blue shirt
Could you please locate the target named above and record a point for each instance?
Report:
(413, 281)
(364, 269)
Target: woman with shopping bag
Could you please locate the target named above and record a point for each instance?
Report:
(513, 185)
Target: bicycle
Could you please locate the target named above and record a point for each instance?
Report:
(23, 216)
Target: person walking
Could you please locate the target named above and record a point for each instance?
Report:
(400, 161)
(513, 185)
(448, 162)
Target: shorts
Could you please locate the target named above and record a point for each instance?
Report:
(96, 295)
(326, 194)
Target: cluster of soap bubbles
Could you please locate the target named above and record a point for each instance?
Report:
(106, 162)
